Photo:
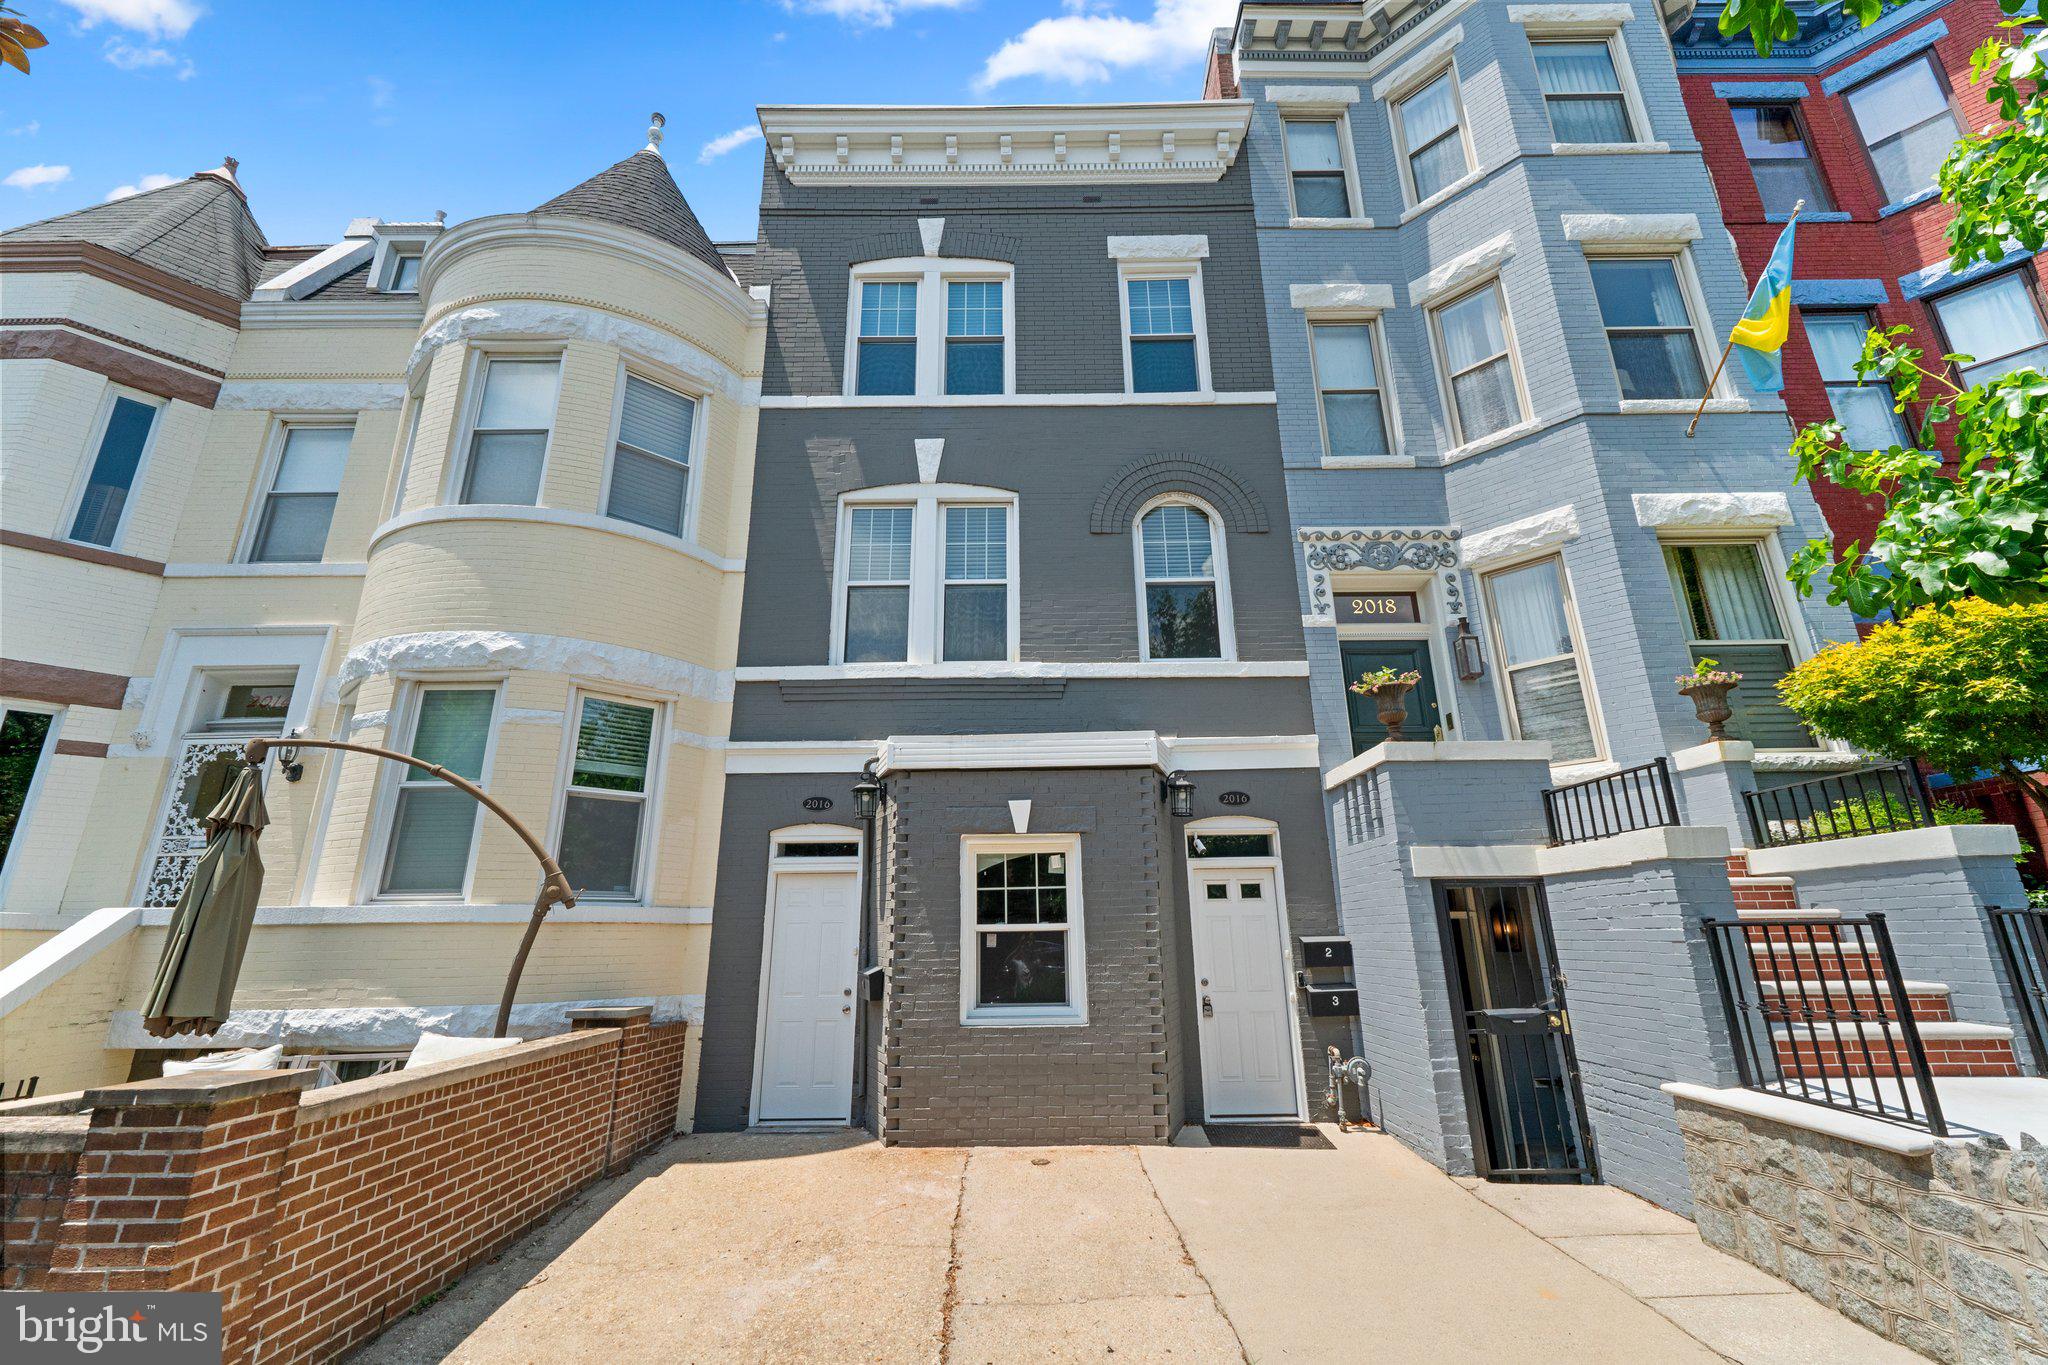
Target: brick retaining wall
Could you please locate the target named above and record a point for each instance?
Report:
(321, 1217)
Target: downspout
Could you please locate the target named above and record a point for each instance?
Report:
(870, 925)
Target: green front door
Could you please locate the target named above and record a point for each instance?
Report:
(1424, 715)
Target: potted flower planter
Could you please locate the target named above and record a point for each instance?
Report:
(1709, 688)
(1389, 691)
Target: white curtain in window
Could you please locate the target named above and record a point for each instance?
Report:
(1993, 321)
(1472, 330)
(1429, 113)
(1897, 100)
(1584, 68)
(1837, 345)
(1313, 147)
(1736, 595)
(1529, 606)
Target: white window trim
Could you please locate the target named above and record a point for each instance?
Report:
(1165, 269)
(1683, 267)
(660, 378)
(1397, 124)
(1448, 395)
(650, 797)
(1504, 694)
(1226, 618)
(931, 274)
(927, 502)
(390, 246)
(408, 438)
(26, 815)
(273, 457)
(404, 719)
(1370, 319)
(1595, 26)
(1340, 116)
(1798, 640)
(82, 480)
(480, 359)
(1075, 1012)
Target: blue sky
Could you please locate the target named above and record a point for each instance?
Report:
(395, 110)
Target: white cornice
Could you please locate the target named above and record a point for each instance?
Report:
(390, 310)
(1187, 141)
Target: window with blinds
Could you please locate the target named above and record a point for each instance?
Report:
(433, 825)
(651, 462)
(292, 527)
(1542, 659)
(604, 811)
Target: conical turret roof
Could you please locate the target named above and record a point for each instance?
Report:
(198, 229)
(639, 193)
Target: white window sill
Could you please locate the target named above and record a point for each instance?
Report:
(1329, 222)
(1368, 462)
(1450, 191)
(1505, 436)
(1607, 148)
(1023, 1018)
(1632, 407)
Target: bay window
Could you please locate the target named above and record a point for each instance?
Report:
(1731, 616)
(1542, 660)
(604, 812)
(1650, 331)
(1908, 125)
(1997, 324)
(650, 481)
(1348, 389)
(1865, 409)
(1182, 591)
(292, 526)
(433, 825)
(1023, 958)
(508, 441)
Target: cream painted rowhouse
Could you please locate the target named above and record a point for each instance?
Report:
(476, 491)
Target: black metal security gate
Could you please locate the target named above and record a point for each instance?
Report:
(1521, 1077)
(2023, 945)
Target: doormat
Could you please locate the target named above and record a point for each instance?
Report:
(1266, 1135)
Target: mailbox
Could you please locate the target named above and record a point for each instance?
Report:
(871, 979)
(1331, 951)
(1333, 1002)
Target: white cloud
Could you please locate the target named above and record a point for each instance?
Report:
(32, 127)
(36, 177)
(153, 181)
(154, 18)
(1091, 43)
(382, 92)
(726, 142)
(870, 13)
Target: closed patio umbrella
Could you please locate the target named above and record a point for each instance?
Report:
(195, 978)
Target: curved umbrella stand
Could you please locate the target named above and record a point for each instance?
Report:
(554, 889)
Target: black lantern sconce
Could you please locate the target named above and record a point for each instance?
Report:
(1465, 645)
(1179, 794)
(288, 761)
(867, 793)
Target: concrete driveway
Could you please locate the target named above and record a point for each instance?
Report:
(776, 1248)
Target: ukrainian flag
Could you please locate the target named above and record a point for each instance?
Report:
(1760, 336)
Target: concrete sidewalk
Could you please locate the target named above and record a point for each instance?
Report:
(757, 1248)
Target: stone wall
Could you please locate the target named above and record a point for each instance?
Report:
(1944, 1251)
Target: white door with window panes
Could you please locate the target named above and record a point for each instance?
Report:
(1243, 1005)
(806, 1065)
(231, 708)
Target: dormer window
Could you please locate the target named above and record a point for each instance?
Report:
(405, 272)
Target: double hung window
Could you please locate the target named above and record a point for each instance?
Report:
(887, 362)
(1774, 142)
(974, 336)
(509, 440)
(1582, 90)
(1315, 168)
(1431, 123)
(1182, 585)
(878, 584)
(1997, 324)
(1349, 390)
(1908, 124)
(1650, 332)
(1022, 921)
(433, 824)
(651, 462)
(975, 620)
(1479, 369)
(116, 467)
(604, 812)
(1542, 660)
(292, 526)
(1865, 410)
(1161, 317)
(1732, 618)
(929, 579)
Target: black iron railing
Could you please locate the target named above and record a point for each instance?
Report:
(1817, 1011)
(2023, 943)
(1840, 806)
(1602, 807)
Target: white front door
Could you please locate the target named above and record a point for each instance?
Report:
(807, 1022)
(1248, 1062)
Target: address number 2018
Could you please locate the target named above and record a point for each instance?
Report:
(1376, 606)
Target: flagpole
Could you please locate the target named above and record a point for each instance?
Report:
(1729, 349)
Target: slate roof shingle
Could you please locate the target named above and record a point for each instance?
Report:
(640, 193)
(199, 229)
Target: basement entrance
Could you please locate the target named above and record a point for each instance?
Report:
(1521, 1078)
